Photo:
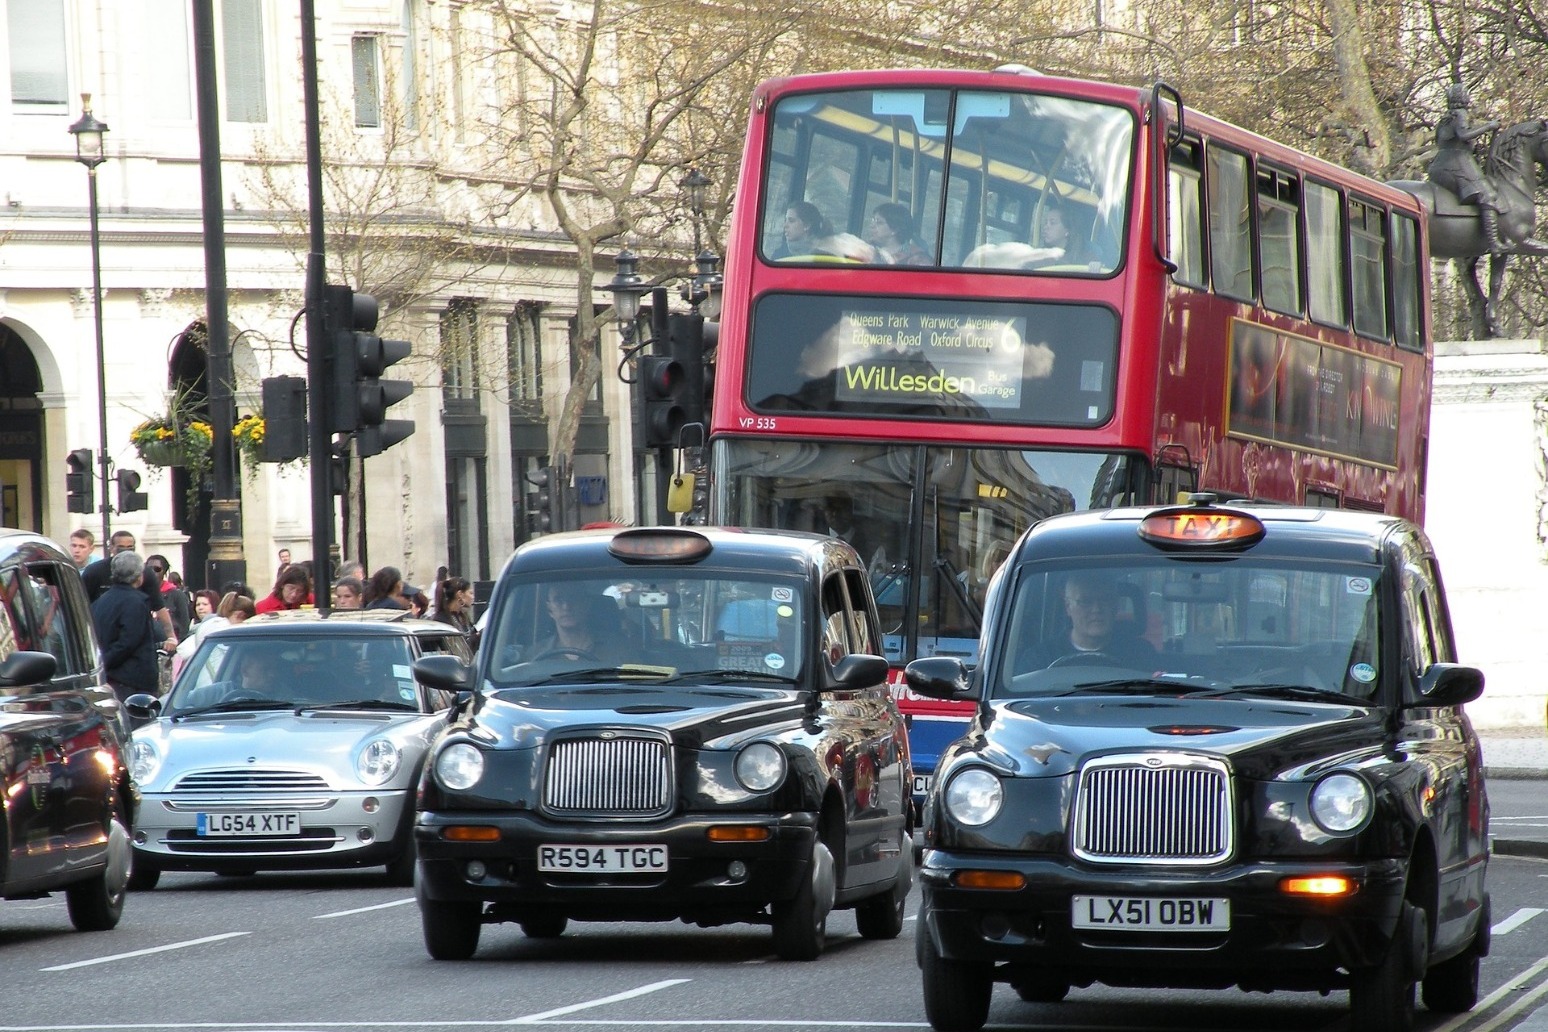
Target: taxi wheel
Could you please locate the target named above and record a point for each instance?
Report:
(881, 917)
(1041, 988)
(956, 993)
(1451, 987)
(96, 904)
(544, 926)
(451, 929)
(1381, 998)
(801, 924)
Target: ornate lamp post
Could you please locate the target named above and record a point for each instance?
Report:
(88, 133)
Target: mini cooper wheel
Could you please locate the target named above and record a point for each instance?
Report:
(881, 916)
(96, 904)
(451, 929)
(956, 993)
(544, 926)
(1381, 997)
(144, 876)
(801, 923)
(400, 871)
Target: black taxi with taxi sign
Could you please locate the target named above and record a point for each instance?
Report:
(669, 724)
(1216, 745)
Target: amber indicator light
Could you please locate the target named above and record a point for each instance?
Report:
(1201, 528)
(471, 833)
(660, 545)
(737, 833)
(1326, 885)
(990, 880)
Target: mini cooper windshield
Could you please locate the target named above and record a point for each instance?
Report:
(298, 672)
(1308, 631)
(691, 624)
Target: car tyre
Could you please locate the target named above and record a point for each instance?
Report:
(956, 993)
(1042, 988)
(96, 904)
(401, 870)
(881, 916)
(1451, 987)
(143, 876)
(544, 926)
(451, 929)
(801, 923)
(1381, 997)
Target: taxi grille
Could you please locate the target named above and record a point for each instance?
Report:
(242, 779)
(617, 774)
(1153, 808)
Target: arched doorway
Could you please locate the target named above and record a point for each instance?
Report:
(188, 377)
(21, 435)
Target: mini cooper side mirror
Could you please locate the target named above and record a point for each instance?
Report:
(447, 673)
(940, 677)
(1449, 684)
(142, 707)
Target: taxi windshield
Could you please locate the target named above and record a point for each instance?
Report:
(296, 672)
(724, 627)
(1236, 626)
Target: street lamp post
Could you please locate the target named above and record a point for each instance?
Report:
(88, 134)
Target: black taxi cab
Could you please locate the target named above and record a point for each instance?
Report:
(669, 724)
(1215, 745)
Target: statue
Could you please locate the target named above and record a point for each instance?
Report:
(1473, 211)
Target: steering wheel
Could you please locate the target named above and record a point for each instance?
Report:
(1085, 659)
(568, 652)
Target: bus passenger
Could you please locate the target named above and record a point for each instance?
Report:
(890, 230)
(805, 226)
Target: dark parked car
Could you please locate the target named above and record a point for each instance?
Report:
(669, 723)
(1214, 746)
(291, 741)
(64, 785)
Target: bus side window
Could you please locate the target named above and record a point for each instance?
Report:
(1230, 224)
(1185, 217)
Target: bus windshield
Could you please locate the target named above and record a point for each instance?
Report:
(949, 178)
(932, 522)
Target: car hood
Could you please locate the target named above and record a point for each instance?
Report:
(324, 742)
(1260, 738)
(702, 715)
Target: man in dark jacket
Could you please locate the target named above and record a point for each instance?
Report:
(122, 617)
(97, 577)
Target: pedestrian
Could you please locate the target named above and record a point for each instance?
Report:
(122, 618)
(82, 541)
(176, 600)
(292, 590)
(348, 593)
(385, 589)
(205, 602)
(97, 578)
(454, 606)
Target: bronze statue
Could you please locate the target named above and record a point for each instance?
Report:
(1473, 211)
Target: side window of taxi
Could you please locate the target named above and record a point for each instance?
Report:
(863, 633)
(835, 620)
(15, 621)
(55, 620)
(1418, 618)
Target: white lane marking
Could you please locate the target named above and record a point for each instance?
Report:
(146, 953)
(364, 910)
(533, 1019)
(1511, 986)
(1516, 920)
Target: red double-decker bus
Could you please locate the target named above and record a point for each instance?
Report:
(957, 302)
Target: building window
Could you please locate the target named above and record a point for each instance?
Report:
(524, 358)
(242, 50)
(459, 349)
(410, 85)
(166, 58)
(366, 54)
(39, 71)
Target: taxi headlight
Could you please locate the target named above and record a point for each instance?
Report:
(459, 766)
(1341, 802)
(378, 761)
(144, 760)
(760, 766)
(973, 797)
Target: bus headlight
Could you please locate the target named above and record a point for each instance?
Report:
(459, 766)
(974, 797)
(1341, 802)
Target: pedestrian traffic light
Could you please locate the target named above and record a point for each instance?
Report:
(130, 497)
(284, 418)
(663, 383)
(78, 482)
(686, 334)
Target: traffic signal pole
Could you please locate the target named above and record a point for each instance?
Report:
(318, 348)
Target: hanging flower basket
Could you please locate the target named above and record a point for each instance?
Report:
(161, 442)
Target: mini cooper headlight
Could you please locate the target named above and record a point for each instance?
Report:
(973, 797)
(378, 761)
(1341, 802)
(459, 766)
(760, 766)
(144, 760)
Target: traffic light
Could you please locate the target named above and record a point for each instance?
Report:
(686, 336)
(284, 418)
(545, 502)
(130, 497)
(339, 330)
(360, 397)
(78, 482)
(663, 383)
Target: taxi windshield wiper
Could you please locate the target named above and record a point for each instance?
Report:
(1304, 691)
(720, 674)
(234, 705)
(1137, 686)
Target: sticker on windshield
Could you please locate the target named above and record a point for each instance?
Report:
(782, 595)
(402, 672)
(1358, 585)
(406, 692)
(785, 611)
(1363, 672)
(774, 661)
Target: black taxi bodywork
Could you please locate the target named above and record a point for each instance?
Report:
(724, 749)
(67, 799)
(1263, 776)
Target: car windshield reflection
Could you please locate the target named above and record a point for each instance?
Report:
(297, 671)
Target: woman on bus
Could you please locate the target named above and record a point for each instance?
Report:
(804, 227)
(890, 230)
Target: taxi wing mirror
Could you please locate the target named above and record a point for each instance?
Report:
(24, 667)
(446, 672)
(940, 677)
(859, 670)
(1449, 684)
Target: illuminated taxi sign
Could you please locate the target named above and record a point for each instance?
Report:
(660, 545)
(1201, 528)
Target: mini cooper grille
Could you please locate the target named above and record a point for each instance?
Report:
(1153, 808)
(623, 776)
(242, 780)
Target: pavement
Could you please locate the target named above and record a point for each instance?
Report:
(1517, 754)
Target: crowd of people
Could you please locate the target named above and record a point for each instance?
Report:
(149, 623)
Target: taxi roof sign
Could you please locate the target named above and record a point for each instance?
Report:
(1201, 527)
(660, 545)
